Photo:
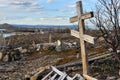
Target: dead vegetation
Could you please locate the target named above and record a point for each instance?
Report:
(51, 57)
(105, 68)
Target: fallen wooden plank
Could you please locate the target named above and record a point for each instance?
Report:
(79, 76)
(79, 61)
(89, 77)
(35, 76)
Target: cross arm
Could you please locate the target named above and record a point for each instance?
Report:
(73, 19)
(86, 37)
(84, 16)
(87, 15)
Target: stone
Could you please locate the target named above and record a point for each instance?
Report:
(5, 77)
(118, 79)
(78, 55)
(111, 78)
(6, 58)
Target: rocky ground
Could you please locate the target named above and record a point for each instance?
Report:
(106, 69)
(18, 69)
(26, 40)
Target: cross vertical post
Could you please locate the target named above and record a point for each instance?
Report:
(80, 18)
(82, 43)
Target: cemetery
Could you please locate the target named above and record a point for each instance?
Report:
(62, 75)
(66, 54)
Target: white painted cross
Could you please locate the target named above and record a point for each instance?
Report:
(80, 18)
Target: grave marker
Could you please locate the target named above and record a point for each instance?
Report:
(80, 18)
(1, 37)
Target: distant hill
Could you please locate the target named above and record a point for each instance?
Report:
(45, 26)
(14, 26)
(7, 26)
(51, 26)
(31, 28)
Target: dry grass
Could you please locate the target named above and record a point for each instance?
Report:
(105, 68)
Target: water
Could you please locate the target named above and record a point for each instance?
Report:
(8, 34)
(2, 34)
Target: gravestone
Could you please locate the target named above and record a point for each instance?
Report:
(1, 55)
(58, 45)
(1, 38)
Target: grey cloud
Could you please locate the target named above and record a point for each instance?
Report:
(28, 5)
(14, 2)
(20, 3)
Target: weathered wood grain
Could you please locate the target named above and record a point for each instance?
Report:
(86, 37)
(80, 18)
(84, 16)
(89, 77)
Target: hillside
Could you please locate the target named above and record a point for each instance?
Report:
(14, 28)
(31, 28)
(7, 26)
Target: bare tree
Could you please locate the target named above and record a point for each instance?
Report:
(107, 20)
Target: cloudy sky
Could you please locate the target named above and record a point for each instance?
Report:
(48, 12)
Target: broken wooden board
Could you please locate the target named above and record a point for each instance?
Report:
(80, 62)
(89, 77)
(36, 75)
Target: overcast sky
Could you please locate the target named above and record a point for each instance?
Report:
(48, 12)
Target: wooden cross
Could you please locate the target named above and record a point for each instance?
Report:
(80, 18)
